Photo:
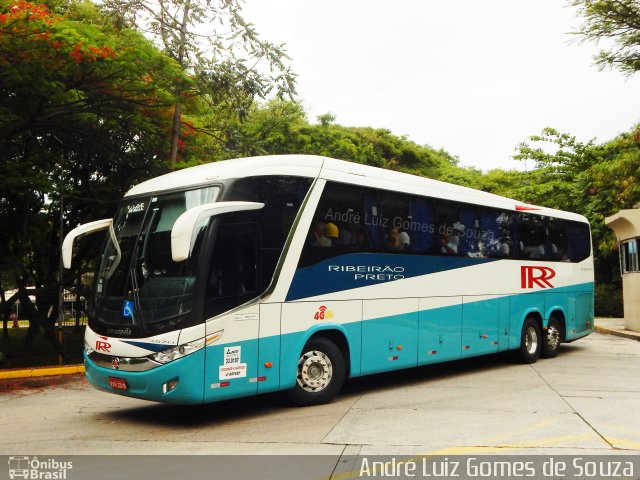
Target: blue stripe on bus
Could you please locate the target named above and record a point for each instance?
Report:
(153, 347)
(356, 270)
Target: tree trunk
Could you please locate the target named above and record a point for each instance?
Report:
(177, 112)
(175, 132)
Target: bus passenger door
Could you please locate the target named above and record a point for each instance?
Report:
(480, 324)
(440, 329)
(389, 334)
(232, 361)
(233, 279)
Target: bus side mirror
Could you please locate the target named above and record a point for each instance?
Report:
(84, 229)
(182, 229)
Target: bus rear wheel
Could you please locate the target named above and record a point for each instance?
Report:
(320, 374)
(530, 341)
(552, 339)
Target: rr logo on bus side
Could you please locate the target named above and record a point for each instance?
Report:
(535, 275)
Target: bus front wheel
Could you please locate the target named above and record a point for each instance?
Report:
(320, 374)
(530, 341)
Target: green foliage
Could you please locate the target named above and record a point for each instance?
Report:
(230, 63)
(608, 301)
(595, 180)
(617, 21)
(326, 119)
(281, 127)
(508, 183)
(83, 114)
(57, 67)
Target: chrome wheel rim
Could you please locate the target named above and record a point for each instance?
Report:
(314, 371)
(553, 337)
(531, 340)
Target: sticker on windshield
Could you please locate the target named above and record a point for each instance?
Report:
(127, 309)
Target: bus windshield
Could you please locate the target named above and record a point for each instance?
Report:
(138, 283)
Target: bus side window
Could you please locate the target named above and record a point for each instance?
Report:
(532, 236)
(234, 273)
(396, 224)
(469, 232)
(346, 221)
(422, 227)
(579, 241)
(557, 240)
(449, 229)
(407, 223)
(496, 238)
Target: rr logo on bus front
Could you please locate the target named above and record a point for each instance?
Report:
(103, 345)
(535, 275)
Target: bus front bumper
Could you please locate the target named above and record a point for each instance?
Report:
(180, 381)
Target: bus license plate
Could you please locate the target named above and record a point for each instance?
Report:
(118, 383)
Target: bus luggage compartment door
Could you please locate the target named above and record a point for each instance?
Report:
(440, 329)
(480, 323)
(389, 334)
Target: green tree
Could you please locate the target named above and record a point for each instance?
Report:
(212, 41)
(615, 22)
(596, 180)
(84, 111)
(281, 127)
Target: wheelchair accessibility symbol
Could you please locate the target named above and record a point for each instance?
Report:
(127, 309)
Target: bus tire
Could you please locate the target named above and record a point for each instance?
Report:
(320, 373)
(530, 341)
(552, 338)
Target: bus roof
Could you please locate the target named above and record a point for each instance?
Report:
(336, 170)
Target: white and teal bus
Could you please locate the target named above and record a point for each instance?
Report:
(296, 272)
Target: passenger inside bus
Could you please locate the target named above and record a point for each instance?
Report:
(319, 235)
(398, 240)
(450, 238)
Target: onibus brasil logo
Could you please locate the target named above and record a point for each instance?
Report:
(33, 468)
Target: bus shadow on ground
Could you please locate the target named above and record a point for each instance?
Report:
(247, 408)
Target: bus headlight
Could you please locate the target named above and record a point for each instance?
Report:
(174, 353)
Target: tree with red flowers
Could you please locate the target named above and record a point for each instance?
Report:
(84, 114)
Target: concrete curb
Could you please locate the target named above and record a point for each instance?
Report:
(617, 331)
(41, 372)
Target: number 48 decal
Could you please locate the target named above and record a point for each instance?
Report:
(323, 314)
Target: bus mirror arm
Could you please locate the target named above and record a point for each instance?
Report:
(85, 229)
(182, 230)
